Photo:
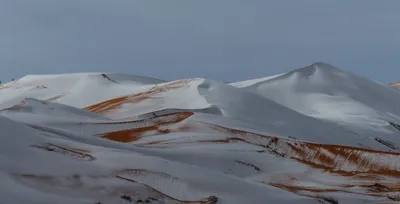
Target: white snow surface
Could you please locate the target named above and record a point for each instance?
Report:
(318, 134)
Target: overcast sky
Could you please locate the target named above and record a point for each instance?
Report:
(225, 40)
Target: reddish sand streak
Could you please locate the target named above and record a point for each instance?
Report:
(135, 134)
(115, 103)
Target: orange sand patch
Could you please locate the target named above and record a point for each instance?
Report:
(116, 103)
(135, 134)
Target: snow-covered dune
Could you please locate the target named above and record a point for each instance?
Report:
(314, 135)
(332, 94)
(79, 90)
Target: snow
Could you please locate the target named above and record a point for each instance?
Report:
(300, 137)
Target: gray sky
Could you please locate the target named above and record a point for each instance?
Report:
(225, 40)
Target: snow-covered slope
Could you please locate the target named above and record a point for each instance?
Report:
(93, 138)
(332, 94)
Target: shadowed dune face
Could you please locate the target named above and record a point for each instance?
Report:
(116, 103)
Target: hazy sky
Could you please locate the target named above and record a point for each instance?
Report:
(225, 39)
